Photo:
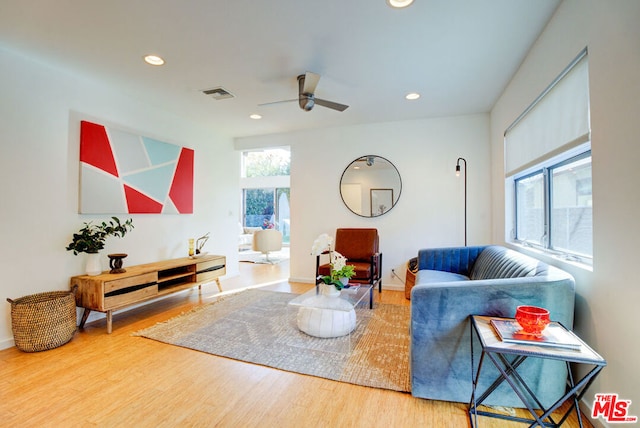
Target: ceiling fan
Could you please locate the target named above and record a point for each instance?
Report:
(306, 94)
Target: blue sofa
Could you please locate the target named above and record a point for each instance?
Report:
(453, 283)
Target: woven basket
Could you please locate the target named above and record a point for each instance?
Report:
(412, 269)
(43, 321)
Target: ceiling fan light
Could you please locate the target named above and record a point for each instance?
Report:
(307, 103)
(399, 4)
(412, 96)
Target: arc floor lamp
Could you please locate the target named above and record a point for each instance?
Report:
(465, 194)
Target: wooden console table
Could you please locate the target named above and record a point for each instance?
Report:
(109, 292)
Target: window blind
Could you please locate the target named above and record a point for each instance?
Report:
(556, 121)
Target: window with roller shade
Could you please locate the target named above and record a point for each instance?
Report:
(548, 168)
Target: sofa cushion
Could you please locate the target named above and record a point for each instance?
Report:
(496, 262)
(457, 260)
(433, 276)
(251, 230)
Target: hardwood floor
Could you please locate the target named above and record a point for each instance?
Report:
(120, 380)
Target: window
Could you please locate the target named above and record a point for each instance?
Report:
(530, 208)
(554, 207)
(548, 168)
(268, 209)
(571, 207)
(265, 190)
(266, 163)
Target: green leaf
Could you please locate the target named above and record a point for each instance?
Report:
(91, 238)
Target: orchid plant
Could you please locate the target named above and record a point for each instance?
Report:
(339, 267)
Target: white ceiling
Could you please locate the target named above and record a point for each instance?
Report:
(458, 54)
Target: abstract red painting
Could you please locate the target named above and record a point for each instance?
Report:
(124, 173)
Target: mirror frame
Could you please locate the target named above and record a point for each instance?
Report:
(381, 191)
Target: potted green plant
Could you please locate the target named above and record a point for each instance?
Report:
(91, 238)
(345, 273)
(341, 272)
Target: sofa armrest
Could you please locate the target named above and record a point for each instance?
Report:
(451, 259)
(440, 357)
(452, 302)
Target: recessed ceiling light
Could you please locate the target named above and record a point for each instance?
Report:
(255, 116)
(412, 96)
(153, 60)
(399, 4)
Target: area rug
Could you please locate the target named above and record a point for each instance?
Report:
(258, 326)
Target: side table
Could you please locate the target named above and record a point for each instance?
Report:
(498, 352)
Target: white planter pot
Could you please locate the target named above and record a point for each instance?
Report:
(93, 266)
(329, 290)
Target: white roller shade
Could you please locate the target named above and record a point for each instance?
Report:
(556, 121)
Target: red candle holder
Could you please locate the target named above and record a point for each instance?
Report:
(532, 319)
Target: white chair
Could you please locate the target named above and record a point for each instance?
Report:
(266, 241)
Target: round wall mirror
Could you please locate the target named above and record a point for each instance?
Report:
(370, 186)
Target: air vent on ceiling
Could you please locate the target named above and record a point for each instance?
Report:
(218, 93)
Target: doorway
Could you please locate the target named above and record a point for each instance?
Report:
(265, 198)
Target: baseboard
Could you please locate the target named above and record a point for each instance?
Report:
(7, 343)
(301, 280)
(586, 410)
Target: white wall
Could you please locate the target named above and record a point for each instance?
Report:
(39, 124)
(40, 109)
(607, 298)
(431, 206)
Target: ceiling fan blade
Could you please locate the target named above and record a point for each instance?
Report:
(277, 102)
(331, 104)
(310, 82)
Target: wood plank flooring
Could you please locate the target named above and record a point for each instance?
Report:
(120, 380)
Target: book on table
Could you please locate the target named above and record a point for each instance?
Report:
(554, 335)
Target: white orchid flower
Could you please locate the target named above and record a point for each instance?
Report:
(339, 261)
(321, 244)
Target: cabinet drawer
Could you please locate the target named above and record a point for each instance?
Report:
(210, 264)
(212, 274)
(210, 269)
(134, 296)
(132, 281)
